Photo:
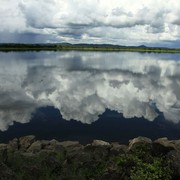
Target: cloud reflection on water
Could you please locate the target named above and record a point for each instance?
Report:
(82, 85)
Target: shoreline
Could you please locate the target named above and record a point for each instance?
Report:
(28, 158)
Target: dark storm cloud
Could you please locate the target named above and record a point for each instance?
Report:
(75, 33)
(25, 37)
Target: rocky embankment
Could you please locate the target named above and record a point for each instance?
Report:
(28, 158)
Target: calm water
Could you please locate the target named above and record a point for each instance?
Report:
(112, 96)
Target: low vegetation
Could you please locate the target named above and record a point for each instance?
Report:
(57, 166)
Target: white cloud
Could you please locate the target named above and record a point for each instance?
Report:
(133, 22)
(11, 18)
(82, 86)
(38, 14)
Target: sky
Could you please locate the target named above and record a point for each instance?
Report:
(123, 22)
(83, 85)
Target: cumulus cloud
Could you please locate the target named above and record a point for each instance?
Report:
(38, 14)
(83, 85)
(96, 21)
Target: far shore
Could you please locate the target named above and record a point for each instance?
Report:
(84, 47)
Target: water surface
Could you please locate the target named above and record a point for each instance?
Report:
(85, 95)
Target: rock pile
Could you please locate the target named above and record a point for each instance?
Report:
(57, 158)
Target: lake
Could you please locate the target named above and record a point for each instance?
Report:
(74, 95)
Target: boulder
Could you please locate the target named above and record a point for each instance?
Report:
(26, 141)
(56, 145)
(100, 143)
(3, 146)
(71, 146)
(98, 150)
(163, 146)
(165, 142)
(173, 144)
(67, 144)
(13, 145)
(133, 143)
(177, 144)
(46, 145)
(118, 148)
(53, 142)
(52, 146)
(35, 147)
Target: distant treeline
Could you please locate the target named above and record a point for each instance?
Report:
(83, 47)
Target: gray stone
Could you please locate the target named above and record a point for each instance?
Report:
(71, 147)
(163, 146)
(173, 144)
(26, 141)
(177, 144)
(46, 144)
(54, 145)
(67, 144)
(54, 142)
(35, 147)
(13, 145)
(100, 143)
(118, 148)
(57, 146)
(139, 140)
(3, 146)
